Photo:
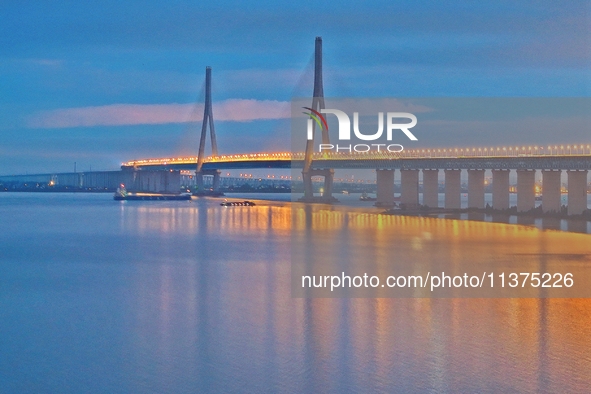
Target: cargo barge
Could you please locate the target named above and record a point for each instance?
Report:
(237, 204)
(123, 195)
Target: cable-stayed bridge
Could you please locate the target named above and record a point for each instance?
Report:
(163, 174)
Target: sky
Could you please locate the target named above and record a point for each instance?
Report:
(100, 83)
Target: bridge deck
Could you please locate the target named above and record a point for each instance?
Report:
(579, 161)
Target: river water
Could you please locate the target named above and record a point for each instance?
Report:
(181, 297)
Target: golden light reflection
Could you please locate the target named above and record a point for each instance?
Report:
(331, 241)
(223, 312)
(191, 219)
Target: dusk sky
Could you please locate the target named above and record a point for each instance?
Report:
(102, 83)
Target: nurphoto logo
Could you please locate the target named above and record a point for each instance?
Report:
(392, 123)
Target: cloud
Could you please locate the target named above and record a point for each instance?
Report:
(234, 110)
(47, 62)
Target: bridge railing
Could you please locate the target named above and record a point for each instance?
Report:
(423, 153)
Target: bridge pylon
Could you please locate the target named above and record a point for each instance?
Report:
(317, 104)
(207, 120)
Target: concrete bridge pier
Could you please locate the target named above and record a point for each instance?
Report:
(476, 189)
(500, 197)
(199, 181)
(328, 174)
(156, 181)
(551, 190)
(409, 183)
(385, 186)
(308, 186)
(453, 189)
(526, 193)
(431, 188)
(328, 182)
(201, 190)
(577, 192)
(216, 181)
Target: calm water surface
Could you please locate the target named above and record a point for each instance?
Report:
(98, 296)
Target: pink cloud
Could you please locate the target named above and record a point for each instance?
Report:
(235, 110)
(48, 62)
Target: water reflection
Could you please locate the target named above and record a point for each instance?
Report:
(575, 225)
(197, 298)
(229, 324)
(333, 241)
(201, 215)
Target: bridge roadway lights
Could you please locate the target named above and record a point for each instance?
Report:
(431, 188)
(526, 192)
(385, 185)
(326, 196)
(500, 182)
(551, 190)
(409, 183)
(476, 189)
(577, 192)
(453, 189)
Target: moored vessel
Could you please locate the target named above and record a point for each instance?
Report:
(365, 197)
(238, 204)
(123, 195)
